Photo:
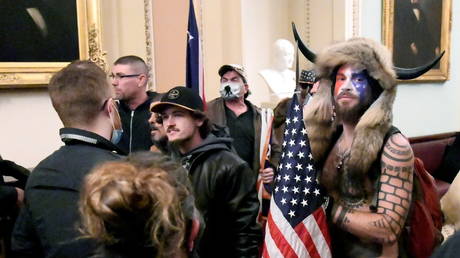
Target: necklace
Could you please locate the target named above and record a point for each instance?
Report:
(342, 153)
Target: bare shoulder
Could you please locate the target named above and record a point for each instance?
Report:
(397, 151)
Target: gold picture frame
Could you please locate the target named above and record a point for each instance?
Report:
(38, 74)
(403, 21)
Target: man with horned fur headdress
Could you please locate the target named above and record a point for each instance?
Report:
(368, 175)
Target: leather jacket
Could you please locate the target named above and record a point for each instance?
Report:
(226, 196)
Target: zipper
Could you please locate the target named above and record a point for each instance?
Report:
(131, 130)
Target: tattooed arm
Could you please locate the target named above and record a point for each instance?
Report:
(394, 197)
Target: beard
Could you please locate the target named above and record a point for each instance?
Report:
(351, 114)
(161, 144)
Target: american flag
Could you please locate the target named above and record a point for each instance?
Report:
(194, 67)
(296, 224)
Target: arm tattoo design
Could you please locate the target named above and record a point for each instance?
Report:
(403, 150)
(394, 195)
(342, 218)
(397, 152)
(379, 223)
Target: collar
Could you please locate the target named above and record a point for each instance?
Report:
(72, 136)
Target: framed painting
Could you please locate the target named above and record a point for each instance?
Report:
(40, 37)
(416, 31)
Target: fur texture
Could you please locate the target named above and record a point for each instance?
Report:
(374, 123)
(450, 204)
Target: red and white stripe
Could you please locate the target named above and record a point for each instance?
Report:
(308, 239)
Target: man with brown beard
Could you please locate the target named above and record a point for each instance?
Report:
(367, 165)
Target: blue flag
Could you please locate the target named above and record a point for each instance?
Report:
(194, 67)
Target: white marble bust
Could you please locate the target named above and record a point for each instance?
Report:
(280, 78)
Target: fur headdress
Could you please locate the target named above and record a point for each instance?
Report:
(374, 123)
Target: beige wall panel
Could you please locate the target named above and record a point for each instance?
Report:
(29, 128)
(110, 29)
(321, 23)
(170, 28)
(123, 28)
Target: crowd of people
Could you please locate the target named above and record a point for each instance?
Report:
(147, 174)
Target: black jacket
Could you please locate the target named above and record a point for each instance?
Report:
(8, 194)
(136, 127)
(8, 198)
(226, 196)
(47, 224)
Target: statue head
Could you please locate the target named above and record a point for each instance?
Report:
(283, 54)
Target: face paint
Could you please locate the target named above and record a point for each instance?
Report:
(353, 81)
(360, 82)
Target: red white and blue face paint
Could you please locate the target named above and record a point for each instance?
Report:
(351, 81)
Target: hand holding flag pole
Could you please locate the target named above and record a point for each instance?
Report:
(297, 224)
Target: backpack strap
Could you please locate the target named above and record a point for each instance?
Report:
(390, 132)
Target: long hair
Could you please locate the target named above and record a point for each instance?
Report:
(124, 206)
(206, 127)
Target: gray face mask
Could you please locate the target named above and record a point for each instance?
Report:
(231, 90)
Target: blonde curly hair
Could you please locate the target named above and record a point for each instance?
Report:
(126, 205)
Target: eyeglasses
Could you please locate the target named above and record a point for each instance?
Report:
(121, 76)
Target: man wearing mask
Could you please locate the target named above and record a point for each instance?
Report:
(243, 119)
(47, 225)
(129, 79)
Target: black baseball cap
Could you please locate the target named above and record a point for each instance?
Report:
(179, 96)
